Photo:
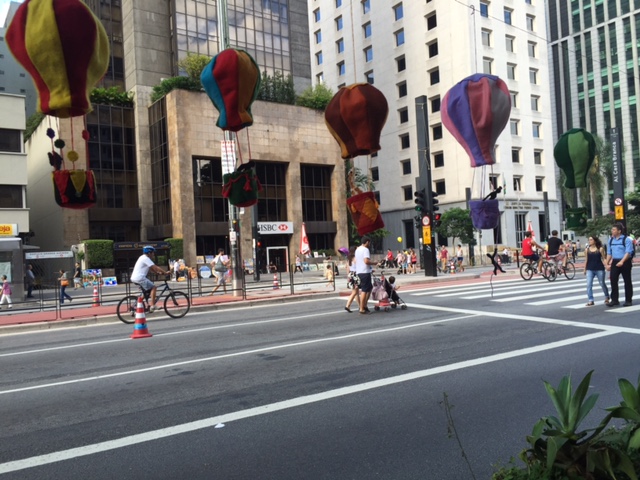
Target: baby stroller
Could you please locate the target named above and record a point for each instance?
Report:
(380, 294)
(393, 295)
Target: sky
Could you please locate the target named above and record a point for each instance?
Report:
(4, 8)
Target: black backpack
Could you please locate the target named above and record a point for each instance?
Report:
(624, 241)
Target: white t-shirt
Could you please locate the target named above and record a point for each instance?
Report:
(141, 268)
(362, 252)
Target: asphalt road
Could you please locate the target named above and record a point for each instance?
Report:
(306, 390)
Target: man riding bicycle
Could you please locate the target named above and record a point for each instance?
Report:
(141, 269)
(528, 244)
(556, 249)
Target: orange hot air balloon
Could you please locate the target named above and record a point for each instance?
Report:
(65, 49)
(355, 117)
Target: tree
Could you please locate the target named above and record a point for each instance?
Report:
(33, 122)
(598, 226)
(316, 97)
(277, 89)
(456, 223)
(193, 64)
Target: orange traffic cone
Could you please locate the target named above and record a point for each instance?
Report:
(276, 285)
(140, 328)
(96, 297)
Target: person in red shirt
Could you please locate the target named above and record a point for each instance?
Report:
(528, 252)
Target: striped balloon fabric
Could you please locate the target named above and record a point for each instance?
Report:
(574, 154)
(232, 81)
(355, 117)
(65, 49)
(475, 111)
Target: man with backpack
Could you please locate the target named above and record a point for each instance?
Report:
(619, 259)
(220, 266)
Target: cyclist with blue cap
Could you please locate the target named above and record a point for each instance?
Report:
(141, 269)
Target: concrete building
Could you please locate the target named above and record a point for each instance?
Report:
(408, 49)
(595, 73)
(13, 78)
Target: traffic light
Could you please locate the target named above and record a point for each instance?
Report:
(437, 220)
(417, 221)
(421, 201)
(258, 242)
(434, 201)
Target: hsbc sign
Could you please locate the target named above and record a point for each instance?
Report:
(275, 228)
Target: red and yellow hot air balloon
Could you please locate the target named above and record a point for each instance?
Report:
(65, 49)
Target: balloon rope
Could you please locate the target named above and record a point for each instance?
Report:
(73, 164)
(51, 138)
(239, 149)
(85, 135)
(491, 284)
(249, 144)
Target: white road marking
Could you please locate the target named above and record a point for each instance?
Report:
(236, 354)
(513, 284)
(152, 435)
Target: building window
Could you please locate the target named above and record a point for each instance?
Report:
(514, 99)
(407, 192)
(272, 206)
(539, 184)
(338, 3)
(507, 15)
(10, 141)
(319, 58)
(368, 76)
(510, 43)
(402, 89)
(517, 183)
(368, 54)
(403, 115)
(316, 193)
(406, 167)
(398, 13)
(320, 78)
(404, 141)
(432, 21)
(23, 75)
(401, 64)
(435, 104)
(433, 49)
(436, 132)
(514, 127)
(515, 155)
(11, 196)
(399, 36)
(341, 69)
(535, 103)
(511, 71)
(486, 37)
(532, 49)
(366, 28)
(537, 129)
(438, 160)
(375, 174)
(441, 188)
(531, 23)
(318, 36)
(340, 45)
(484, 9)
(494, 181)
(537, 157)
(434, 76)
(339, 23)
(366, 6)
(316, 15)
(487, 65)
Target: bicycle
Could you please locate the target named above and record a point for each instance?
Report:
(529, 268)
(569, 271)
(176, 303)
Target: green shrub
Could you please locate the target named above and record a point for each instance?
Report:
(316, 97)
(277, 89)
(113, 96)
(177, 250)
(99, 253)
(168, 84)
(33, 122)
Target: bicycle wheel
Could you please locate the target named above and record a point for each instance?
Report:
(550, 272)
(176, 304)
(570, 271)
(526, 272)
(127, 309)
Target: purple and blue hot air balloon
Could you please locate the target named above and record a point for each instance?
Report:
(475, 111)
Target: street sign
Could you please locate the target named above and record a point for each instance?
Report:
(619, 212)
(426, 221)
(426, 235)
(41, 255)
(275, 228)
(228, 154)
(618, 201)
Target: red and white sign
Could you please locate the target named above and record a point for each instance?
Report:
(618, 201)
(426, 221)
(275, 228)
(305, 249)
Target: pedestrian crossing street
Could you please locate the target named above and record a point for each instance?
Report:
(562, 293)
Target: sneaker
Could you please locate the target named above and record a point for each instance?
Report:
(10, 307)
(590, 304)
(627, 304)
(152, 308)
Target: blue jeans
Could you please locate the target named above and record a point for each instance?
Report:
(600, 275)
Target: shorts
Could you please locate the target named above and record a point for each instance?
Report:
(558, 257)
(460, 259)
(365, 282)
(535, 257)
(221, 277)
(146, 284)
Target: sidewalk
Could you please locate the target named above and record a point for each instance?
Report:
(81, 312)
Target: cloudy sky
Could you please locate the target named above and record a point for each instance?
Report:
(4, 7)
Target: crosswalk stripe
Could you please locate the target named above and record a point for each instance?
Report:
(517, 283)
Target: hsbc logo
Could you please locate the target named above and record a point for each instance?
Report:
(272, 228)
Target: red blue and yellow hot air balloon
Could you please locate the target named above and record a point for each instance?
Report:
(65, 49)
(475, 111)
(232, 81)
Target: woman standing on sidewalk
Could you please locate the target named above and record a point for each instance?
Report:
(6, 292)
(594, 267)
(353, 282)
(64, 283)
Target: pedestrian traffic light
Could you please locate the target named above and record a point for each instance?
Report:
(258, 242)
(421, 201)
(434, 201)
(437, 220)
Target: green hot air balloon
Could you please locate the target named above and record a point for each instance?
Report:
(574, 154)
